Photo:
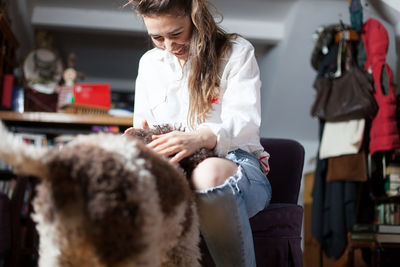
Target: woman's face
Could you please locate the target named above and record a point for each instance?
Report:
(171, 33)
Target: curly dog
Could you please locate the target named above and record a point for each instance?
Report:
(107, 200)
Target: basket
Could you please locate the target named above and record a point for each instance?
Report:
(84, 109)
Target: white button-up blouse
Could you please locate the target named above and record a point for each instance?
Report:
(161, 96)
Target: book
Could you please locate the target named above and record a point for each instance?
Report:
(11, 188)
(35, 139)
(362, 236)
(387, 238)
(387, 214)
(393, 169)
(392, 192)
(393, 177)
(376, 228)
(378, 237)
(6, 97)
(392, 185)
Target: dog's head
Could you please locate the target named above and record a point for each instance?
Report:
(187, 164)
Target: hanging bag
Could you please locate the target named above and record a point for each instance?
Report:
(347, 97)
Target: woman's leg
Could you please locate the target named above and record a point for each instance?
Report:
(212, 172)
(225, 203)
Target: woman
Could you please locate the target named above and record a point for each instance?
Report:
(207, 81)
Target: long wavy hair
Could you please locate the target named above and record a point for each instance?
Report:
(208, 44)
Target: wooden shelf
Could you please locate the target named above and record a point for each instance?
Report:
(65, 118)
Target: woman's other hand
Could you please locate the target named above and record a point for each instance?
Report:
(183, 144)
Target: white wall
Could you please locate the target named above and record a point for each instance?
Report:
(19, 12)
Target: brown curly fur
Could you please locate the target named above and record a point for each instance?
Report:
(187, 164)
(108, 200)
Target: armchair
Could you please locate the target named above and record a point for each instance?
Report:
(277, 228)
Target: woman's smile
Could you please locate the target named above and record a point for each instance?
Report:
(181, 52)
(169, 32)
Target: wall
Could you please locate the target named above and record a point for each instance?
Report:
(115, 61)
(19, 11)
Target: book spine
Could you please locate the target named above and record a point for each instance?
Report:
(396, 219)
(365, 228)
(379, 214)
(393, 185)
(362, 236)
(392, 169)
(393, 177)
(388, 238)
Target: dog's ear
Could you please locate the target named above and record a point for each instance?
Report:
(23, 158)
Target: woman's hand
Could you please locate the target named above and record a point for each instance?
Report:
(145, 126)
(182, 144)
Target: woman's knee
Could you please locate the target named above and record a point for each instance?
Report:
(212, 172)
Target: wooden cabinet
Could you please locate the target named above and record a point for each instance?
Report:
(311, 251)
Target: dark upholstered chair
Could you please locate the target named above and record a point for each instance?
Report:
(277, 228)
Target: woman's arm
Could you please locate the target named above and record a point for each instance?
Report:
(240, 117)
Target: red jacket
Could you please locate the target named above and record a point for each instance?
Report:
(384, 134)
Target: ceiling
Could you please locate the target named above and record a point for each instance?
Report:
(262, 20)
(256, 19)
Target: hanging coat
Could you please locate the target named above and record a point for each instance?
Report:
(384, 134)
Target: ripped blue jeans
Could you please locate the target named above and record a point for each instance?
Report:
(225, 210)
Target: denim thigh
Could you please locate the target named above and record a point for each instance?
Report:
(250, 181)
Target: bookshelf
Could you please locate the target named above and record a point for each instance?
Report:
(381, 234)
(23, 247)
(54, 124)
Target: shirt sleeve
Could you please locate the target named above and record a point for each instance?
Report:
(240, 105)
(141, 105)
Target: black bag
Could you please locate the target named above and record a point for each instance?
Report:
(347, 97)
(324, 42)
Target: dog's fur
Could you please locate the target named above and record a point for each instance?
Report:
(107, 200)
(187, 164)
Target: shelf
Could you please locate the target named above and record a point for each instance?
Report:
(391, 199)
(6, 174)
(65, 118)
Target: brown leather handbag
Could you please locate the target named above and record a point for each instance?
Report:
(347, 97)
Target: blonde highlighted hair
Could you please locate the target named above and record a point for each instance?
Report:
(208, 44)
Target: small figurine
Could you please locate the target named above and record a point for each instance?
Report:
(70, 74)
